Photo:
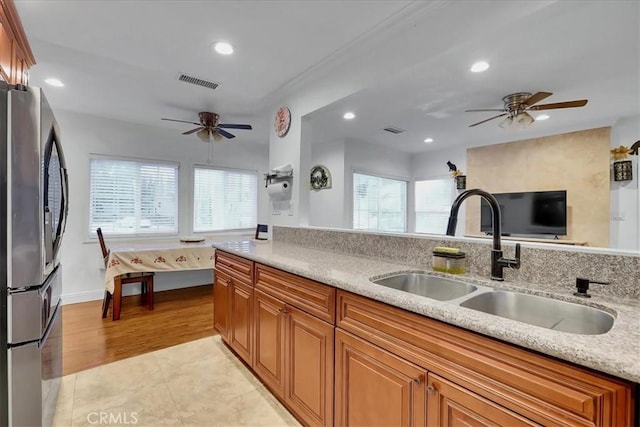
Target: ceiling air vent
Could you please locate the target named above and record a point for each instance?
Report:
(196, 81)
(393, 129)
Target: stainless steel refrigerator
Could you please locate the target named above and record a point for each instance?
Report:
(33, 212)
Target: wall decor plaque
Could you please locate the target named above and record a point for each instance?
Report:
(282, 121)
(320, 178)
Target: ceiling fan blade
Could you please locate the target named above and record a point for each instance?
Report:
(181, 121)
(492, 109)
(225, 133)
(189, 132)
(216, 135)
(232, 126)
(567, 104)
(536, 97)
(203, 134)
(486, 120)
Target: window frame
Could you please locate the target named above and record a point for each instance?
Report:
(192, 197)
(415, 209)
(92, 235)
(407, 182)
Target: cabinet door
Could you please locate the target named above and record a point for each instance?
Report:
(452, 405)
(309, 367)
(221, 304)
(269, 329)
(240, 338)
(375, 387)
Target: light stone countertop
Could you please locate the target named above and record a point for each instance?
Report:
(615, 352)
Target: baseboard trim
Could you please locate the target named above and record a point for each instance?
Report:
(78, 297)
(82, 297)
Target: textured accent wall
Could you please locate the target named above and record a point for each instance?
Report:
(577, 162)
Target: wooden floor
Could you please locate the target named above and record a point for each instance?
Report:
(179, 316)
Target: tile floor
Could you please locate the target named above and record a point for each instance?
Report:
(200, 383)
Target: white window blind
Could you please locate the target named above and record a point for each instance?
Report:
(133, 197)
(379, 204)
(433, 204)
(224, 199)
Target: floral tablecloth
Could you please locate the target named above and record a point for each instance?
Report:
(158, 257)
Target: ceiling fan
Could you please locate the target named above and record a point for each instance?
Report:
(517, 104)
(209, 127)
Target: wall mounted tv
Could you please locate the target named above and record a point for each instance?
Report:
(528, 213)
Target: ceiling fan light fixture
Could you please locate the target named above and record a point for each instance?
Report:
(223, 48)
(479, 67)
(506, 123)
(523, 120)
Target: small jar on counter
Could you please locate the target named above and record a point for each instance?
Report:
(453, 263)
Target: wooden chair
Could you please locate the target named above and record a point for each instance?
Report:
(145, 280)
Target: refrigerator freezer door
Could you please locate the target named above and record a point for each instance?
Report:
(30, 311)
(35, 371)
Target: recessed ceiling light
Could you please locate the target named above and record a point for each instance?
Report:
(542, 117)
(349, 116)
(54, 82)
(428, 140)
(479, 67)
(223, 48)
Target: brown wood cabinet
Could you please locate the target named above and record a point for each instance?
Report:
(468, 370)
(375, 387)
(221, 304)
(241, 327)
(294, 348)
(233, 303)
(452, 405)
(269, 327)
(16, 56)
(318, 349)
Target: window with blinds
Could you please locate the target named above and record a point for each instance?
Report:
(433, 200)
(379, 204)
(224, 199)
(133, 197)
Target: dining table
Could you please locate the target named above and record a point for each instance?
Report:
(155, 256)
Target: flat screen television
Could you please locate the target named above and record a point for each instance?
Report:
(528, 213)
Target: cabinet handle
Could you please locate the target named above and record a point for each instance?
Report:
(431, 389)
(417, 380)
(229, 281)
(284, 311)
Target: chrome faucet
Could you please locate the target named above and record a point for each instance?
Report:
(498, 262)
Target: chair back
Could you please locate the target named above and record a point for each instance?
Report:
(103, 246)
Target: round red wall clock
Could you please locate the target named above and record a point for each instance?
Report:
(283, 121)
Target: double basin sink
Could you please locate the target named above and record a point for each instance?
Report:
(535, 310)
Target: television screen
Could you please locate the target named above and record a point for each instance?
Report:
(533, 212)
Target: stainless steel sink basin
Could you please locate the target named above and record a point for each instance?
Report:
(544, 312)
(425, 285)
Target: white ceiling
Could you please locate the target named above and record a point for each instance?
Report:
(120, 59)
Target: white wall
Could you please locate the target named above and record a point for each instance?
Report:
(625, 195)
(83, 135)
(327, 206)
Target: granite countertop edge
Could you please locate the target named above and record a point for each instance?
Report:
(614, 352)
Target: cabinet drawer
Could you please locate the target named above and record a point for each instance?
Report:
(313, 297)
(235, 266)
(538, 387)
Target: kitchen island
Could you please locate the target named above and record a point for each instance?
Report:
(612, 353)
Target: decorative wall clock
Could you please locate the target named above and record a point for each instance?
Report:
(320, 178)
(282, 121)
